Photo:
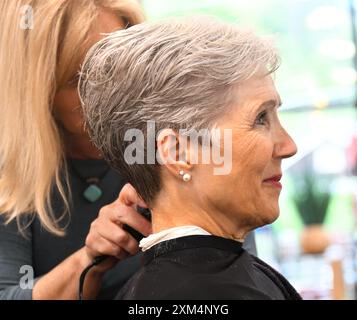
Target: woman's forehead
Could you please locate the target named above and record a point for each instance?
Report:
(257, 90)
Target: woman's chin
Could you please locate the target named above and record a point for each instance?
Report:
(273, 216)
(269, 216)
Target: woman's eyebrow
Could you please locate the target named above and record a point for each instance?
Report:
(272, 103)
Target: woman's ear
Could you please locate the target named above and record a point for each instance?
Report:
(173, 152)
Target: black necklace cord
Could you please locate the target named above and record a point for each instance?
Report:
(92, 191)
(90, 178)
(82, 278)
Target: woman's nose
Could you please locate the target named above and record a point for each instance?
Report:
(285, 147)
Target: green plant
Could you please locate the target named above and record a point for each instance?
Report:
(311, 197)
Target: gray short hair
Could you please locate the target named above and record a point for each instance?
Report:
(177, 72)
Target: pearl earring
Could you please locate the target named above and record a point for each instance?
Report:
(185, 176)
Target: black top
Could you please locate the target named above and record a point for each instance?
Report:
(42, 251)
(205, 267)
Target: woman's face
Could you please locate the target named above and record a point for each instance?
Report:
(259, 143)
(67, 106)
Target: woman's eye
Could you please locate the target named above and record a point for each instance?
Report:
(262, 119)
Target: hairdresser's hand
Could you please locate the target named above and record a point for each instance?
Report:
(107, 236)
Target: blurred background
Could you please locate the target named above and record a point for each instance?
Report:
(314, 242)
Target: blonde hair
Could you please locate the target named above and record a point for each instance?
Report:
(34, 64)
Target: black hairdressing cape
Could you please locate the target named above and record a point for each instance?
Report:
(205, 267)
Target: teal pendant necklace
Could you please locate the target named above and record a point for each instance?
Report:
(92, 191)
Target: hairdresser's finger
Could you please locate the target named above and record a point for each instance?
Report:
(129, 197)
(119, 237)
(122, 214)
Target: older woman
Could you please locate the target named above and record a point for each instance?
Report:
(155, 79)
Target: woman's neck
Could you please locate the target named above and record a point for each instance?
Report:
(173, 212)
(79, 146)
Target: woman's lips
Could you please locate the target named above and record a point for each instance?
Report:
(274, 181)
